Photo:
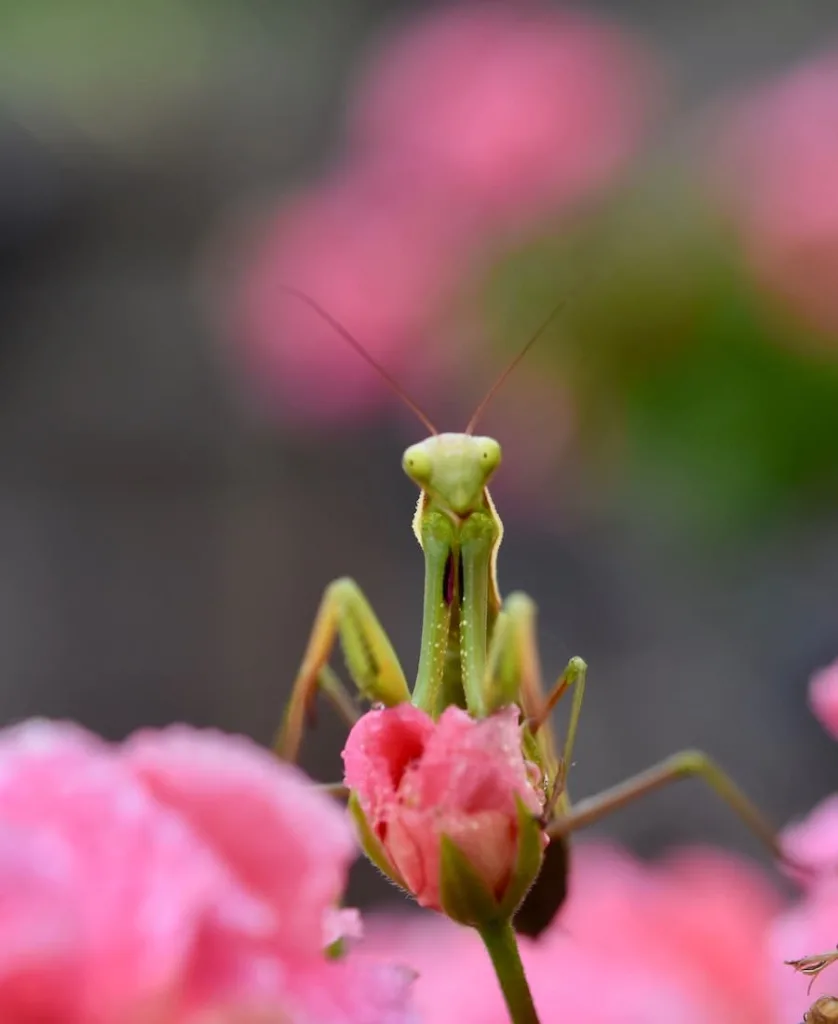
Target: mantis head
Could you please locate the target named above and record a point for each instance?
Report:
(453, 469)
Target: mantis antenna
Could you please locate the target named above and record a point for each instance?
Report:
(350, 339)
(501, 380)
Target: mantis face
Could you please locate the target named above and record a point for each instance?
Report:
(453, 470)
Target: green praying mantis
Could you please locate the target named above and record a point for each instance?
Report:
(478, 651)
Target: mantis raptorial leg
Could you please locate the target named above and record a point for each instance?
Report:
(515, 673)
(370, 659)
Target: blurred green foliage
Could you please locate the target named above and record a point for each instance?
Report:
(98, 62)
(705, 404)
(120, 71)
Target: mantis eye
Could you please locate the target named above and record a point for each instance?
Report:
(417, 464)
(489, 454)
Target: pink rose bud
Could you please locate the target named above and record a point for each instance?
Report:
(448, 809)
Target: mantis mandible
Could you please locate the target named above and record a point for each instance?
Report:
(477, 650)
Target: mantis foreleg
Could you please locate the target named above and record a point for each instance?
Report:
(515, 674)
(344, 614)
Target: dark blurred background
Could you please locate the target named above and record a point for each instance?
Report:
(185, 464)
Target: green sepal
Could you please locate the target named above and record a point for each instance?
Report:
(370, 844)
(336, 950)
(463, 894)
(528, 860)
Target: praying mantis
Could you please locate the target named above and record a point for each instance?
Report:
(478, 651)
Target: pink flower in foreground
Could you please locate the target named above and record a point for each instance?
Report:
(379, 260)
(681, 941)
(183, 876)
(808, 929)
(417, 780)
(509, 110)
(779, 172)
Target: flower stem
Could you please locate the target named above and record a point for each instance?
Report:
(502, 946)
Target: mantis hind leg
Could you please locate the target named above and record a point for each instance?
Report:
(344, 614)
(684, 765)
(550, 888)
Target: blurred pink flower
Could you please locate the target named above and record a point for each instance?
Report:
(474, 122)
(811, 926)
(183, 876)
(508, 110)
(823, 698)
(341, 924)
(778, 169)
(814, 840)
(417, 780)
(685, 940)
(381, 261)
